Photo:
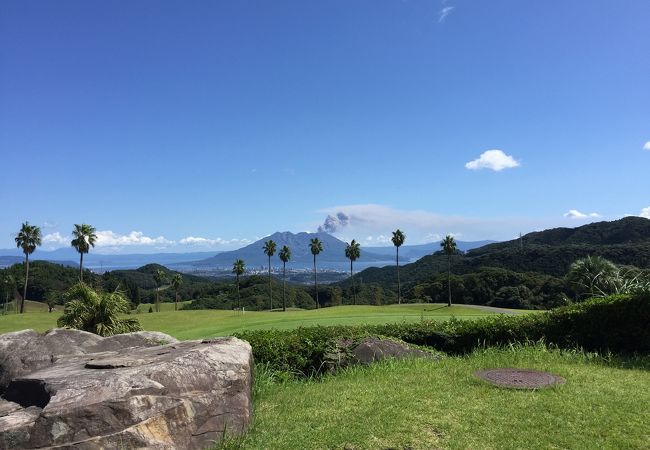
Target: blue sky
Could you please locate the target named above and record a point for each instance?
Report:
(203, 125)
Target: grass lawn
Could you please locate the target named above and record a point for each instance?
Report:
(425, 404)
(208, 323)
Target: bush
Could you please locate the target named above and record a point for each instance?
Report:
(302, 351)
(618, 324)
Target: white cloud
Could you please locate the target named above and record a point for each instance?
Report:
(444, 11)
(378, 241)
(432, 237)
(494, 160)
(110, 239)
(207, 242)
(55, 240)
(645, 212)
(646, 146)
(575, 214)
(378, 221)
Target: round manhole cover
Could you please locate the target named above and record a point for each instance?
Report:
(519, 378)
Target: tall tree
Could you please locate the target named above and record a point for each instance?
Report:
(353, 252)
(28, 238)
(316, 246)
(285, 256)
(84, 237)
(269, 250)
(398, 239)
(9, 287)
(177, 282)
(448, 245)
(238, 269)
(160, 278)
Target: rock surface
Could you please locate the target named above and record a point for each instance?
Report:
(123, 392)
(370, 350)
(26, 351)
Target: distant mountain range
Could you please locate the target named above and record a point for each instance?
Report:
(332, 256)
(414, 252)
(99, 262)
(550, 252)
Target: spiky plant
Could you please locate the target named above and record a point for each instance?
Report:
(97, 312)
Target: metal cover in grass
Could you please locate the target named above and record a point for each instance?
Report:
(519, 378)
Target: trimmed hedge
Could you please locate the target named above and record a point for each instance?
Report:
(620, 324)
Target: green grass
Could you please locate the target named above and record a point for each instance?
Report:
(425, 404)
(144, 307)
(207, 323)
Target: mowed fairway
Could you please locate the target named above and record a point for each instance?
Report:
(208, 323)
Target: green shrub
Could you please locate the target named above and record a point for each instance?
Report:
(620, 324)
(302, 351)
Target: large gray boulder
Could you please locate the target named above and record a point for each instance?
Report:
(183, 395)
(26, 351)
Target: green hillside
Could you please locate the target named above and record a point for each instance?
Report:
(539, 261)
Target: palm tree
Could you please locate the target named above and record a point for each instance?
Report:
(398, 239)
(96, 312)
(10, 286)
(353, 252)
(160, 278)
(177, 282)
(316, 246)
(593, 276)
(269, 250)
(84, 238)
(28, 238)
(448, 245)
(285, 256)
(238, 269)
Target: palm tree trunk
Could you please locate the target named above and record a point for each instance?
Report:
(238, 297)
(449, 278)
(22, 301)
(81, 267)
(316, 284)
(270, 288)
(399, 286)
(176, 303)
(354, 294)
(284, 283)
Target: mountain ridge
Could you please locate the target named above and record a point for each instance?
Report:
(624, 241)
